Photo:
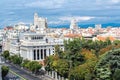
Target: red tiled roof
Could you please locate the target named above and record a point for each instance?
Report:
(101, 38)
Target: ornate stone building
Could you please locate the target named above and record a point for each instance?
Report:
(39, 22)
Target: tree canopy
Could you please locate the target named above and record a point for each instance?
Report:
(5, 70)
(108, 65)
(81, 60)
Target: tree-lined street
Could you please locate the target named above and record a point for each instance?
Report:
(27, 76)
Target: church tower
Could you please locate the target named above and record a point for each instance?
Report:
(40, 23)
(73, 24)
(35, 19)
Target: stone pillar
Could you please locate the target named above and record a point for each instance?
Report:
(62, 78)
(52, 74)
(56, 78)
(27, 52)
(47, 72)
(47, 52)
(32, 54)
(59, 78)
(51, 51)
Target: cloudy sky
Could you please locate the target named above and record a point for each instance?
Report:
(60, 11)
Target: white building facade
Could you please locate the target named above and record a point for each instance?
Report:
(38, 46)
(32, 46)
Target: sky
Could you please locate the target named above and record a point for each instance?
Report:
(60, 11)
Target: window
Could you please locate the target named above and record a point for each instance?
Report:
(46, 40)
(26, 38)
(45, 53)
(41, 54)
(49, 51)
(34, 52)
(38, 55)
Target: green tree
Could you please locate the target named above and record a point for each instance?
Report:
(5, 71)
(34, 66)
(107, 65)
(16, 59)
(116, 42)
(62, 67)
(6, 54)
(58, 51)
(49, 62)
(25, 63)
(116, 75)
(72, 51)
(78, 73)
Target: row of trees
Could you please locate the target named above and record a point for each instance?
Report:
(33, 66)
(78, 60)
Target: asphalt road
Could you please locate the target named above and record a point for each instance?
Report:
(20, 72)
(24, 74)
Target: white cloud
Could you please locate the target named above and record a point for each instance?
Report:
(55, 22)
(78, 18)
(107, 2)
(46, 4)
(115, 1)
(64, 19)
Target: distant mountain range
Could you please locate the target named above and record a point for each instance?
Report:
(80, 25)
(85, 25)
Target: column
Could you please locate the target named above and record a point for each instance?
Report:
(56, 77)
(59, 78)
(62, 78)
(32, 54)
(28, 52)
(47, 52)
(52, 74)
(50, 51)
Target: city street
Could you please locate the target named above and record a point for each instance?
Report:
(27, 76)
